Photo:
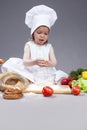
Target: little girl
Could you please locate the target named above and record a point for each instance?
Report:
(39, 56)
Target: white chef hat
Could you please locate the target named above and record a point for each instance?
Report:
(40, 15)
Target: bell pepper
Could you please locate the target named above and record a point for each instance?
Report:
(84, 74)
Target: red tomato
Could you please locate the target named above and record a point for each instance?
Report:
(67, 81)
(76, 90)
(47, 91)
(70, 84)
(70, 79)
(64, 81)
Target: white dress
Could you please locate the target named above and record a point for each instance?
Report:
(16, 64)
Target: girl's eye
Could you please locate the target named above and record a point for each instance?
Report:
(42, 33)
(39, 32)
(46, 33)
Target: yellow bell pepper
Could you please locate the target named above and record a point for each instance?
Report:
(84, 74)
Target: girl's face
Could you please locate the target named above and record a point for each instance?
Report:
(41, 35)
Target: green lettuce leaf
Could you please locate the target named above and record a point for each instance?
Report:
(82, 83)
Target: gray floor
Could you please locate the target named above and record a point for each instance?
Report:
(36, 112)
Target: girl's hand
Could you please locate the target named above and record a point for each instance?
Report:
(41, 63)
(45, 63)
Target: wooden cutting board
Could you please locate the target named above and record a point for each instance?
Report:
(58, 89)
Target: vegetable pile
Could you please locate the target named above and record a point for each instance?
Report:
(81, 78)
(77, 79)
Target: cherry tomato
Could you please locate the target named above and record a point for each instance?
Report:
(47, 91)
(64, 81)
(67, 81)
(70, 84)
(76, 90)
